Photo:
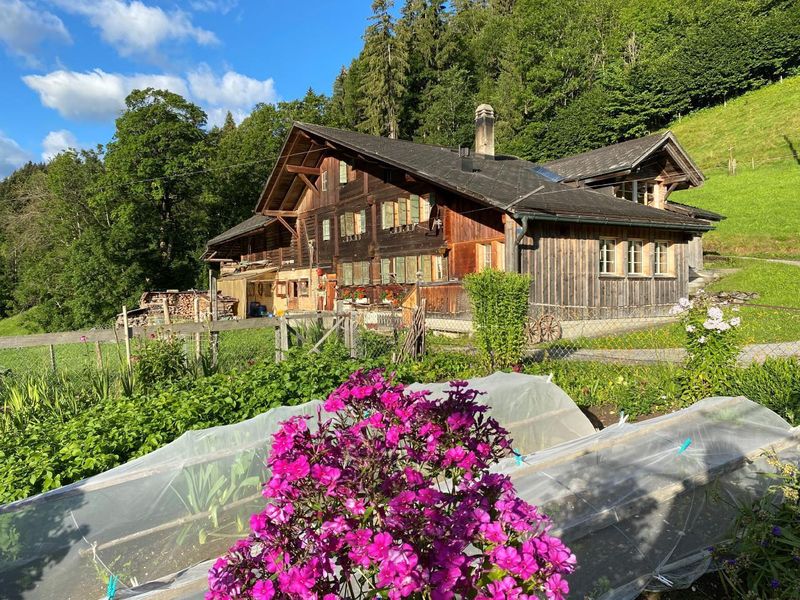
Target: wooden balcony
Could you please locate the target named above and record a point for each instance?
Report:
(279, 258)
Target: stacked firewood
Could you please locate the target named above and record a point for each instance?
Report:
(180, 305)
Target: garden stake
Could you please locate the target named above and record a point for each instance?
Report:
(111, 589)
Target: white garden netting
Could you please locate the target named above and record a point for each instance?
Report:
(638, 504)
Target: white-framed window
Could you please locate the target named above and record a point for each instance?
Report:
(661, 260)
(608, 256)
(323, 186)
(326, 230)
(424, 210)
(483, 257)
(635, 257)
(342, 172)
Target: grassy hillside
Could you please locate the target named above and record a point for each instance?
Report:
(15, 325)
(763, 210)
(762, 202)
(762, 127)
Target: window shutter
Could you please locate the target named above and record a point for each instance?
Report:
(387, 218)
(400, 269)
(426, 268)
(411, 269)
(403, 202)
(342, 226)
(342, 172)
(414, 208)
(424, 210)
(363, 221)
(385, 270)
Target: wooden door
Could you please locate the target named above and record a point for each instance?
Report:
(292, 300)
(330, 294)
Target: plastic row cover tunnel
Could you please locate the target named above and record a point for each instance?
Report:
(636, 504)
(190, 500)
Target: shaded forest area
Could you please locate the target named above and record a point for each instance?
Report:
(89, 231)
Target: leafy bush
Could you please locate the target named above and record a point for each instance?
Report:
(712, 346)
(48, 453)
(763, 556)
(160, 360)
(372, 346)
(393, 497)
(499, 311)
(775, 384)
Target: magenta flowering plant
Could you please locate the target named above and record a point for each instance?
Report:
(392, 496)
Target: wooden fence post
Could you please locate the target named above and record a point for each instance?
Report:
(165, 307)
(214, 335)
(127, 336)
(284, 337)
(98, 353)
(278, 352)
(52, 358)
(197, 346)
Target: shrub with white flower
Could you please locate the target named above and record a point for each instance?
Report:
(712, 346)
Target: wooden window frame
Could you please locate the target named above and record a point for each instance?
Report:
(326, 230)
(670, 259)
(631, 245)
(281, 289)
(342, 172)
(615, 247)
(323, 186)
(303, 288)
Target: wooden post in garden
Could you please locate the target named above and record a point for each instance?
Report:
(197, 346)
(278, 353)
(214, 335)
(127, 336)
(98, 353)
(52, 358)
(284, 336)
(165, 307)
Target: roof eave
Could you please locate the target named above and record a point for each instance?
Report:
(595, 220)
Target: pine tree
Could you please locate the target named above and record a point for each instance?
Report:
(385, 74)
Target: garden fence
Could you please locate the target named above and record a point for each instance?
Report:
(637, 339)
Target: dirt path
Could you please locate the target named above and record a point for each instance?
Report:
(753, 353)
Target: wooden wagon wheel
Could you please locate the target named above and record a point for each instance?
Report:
(549, 328)
(533, 333)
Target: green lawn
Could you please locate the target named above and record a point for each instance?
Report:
(762, 210)
(778, 284)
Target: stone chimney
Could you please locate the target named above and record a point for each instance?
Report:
(484, 131)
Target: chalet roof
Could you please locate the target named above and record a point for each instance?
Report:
(693, 211)
(254, 223)
(510, 184)
(621, 157)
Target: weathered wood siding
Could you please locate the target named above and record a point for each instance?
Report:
(563, 261)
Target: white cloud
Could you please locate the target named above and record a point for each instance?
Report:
(95, 95)
(24, 27)
(216, 115)
(56, 142)
(136, 28)
(220, 6)
(12, 156)
(232, 89)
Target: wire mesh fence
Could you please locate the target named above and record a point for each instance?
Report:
(639, 338)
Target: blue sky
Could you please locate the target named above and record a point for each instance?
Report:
(66, 65)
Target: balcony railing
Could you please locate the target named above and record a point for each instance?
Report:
(279, 257)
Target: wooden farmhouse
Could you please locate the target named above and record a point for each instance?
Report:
(363, 219)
